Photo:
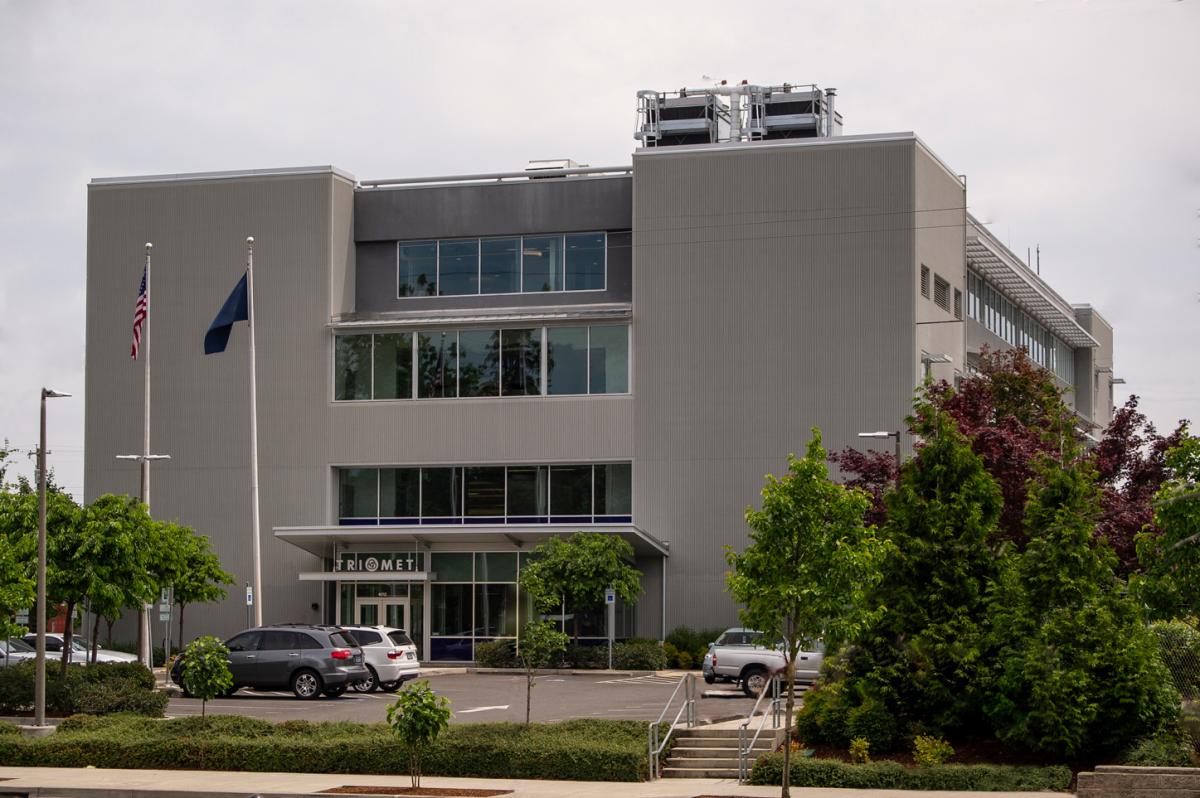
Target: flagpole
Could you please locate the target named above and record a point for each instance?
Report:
(144, 616)
(257, 581)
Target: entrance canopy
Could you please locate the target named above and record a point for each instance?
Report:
(321, 540)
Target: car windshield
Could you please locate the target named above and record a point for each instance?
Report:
(340, 640)
(13, 644)
(400, 638)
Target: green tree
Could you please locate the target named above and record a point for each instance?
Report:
(206, 672)
(539, 645)
(199, 578)
(808, 563)
(417, 718)
(1077, 669)
(578, 570)
(1170, 554)
(924, 656)
(18, 557)
(116, 546)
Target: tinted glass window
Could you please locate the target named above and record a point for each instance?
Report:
(458, 267)
(484, 491)
(400, 639)
(358, 493)
(364, 637)
(437, 362)
(441, 495)
(340, 640)
(542, 263)
(278, 641)
(393, 366)
(614, 489)
(399, 492)
(496, 610)
(500, 266)
(570, 490)
(566, 360)
(307, 641)
(247, 641)
(479, 363)
(496, 566)
(418, 269)
(585, 262)
(609, 359)
(352, 367)
(452, 567)
(451, 611)
(528, 490)
(521, 362)
(14, 644)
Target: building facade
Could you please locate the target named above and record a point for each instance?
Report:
(452, 370)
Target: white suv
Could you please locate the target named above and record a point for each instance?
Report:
(389, 655)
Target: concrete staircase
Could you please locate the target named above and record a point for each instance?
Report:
(711, 752)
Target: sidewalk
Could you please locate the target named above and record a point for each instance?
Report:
(94, 783)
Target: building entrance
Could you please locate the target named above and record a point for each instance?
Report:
(382, 612)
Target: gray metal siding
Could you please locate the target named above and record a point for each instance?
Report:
(772, 293)
(939, 221)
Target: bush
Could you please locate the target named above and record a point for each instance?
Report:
(1179, 648)
(822, 718)
(929, 751)
(1163, 750)
(871, 721)
(496, 654)
(894, 776)
(125, 695)
(639, 655)
(688, 646)
(99, 688)
(585, 657)
(860, 751)
(7, 729)
(588, 750)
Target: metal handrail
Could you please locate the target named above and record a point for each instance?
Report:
(745, 748)
(653, 747)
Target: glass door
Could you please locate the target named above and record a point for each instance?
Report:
(382, 612)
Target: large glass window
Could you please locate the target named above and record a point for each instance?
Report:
(451, 611)
(437, 360)
(496, 567)
(458, 267)
(441, 492)
(393, 366)
(566, 360)
(496, 610)
(521, 362)
(570, 491)
(528, 492)
(614, 485)
(479, 363)
(608, 359)
(358, 493)
(400, 493)
(352, 367)
(418, 268)
(485, 492)
(542, 263)
(452, 567)
(500, 266)
(585, 262)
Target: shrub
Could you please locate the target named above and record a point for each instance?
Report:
(7, 729)
(120, 695)
(871, 721)
(417, 718)
(99, 688)
(860, 751)
(1179, 648)
(640, 655)
(206, 669)
(894, 776)
(690, 645)
(1163, 750)
(496, 654)
(585, 657)
(929, 751)
(822, 718)
(118, 671)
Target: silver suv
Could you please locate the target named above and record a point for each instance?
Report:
(740, 654)
(309, 660)
(390, 657)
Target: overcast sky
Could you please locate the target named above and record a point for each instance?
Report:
(1077, 125)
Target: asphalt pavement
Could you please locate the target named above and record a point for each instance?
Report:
(490, 697)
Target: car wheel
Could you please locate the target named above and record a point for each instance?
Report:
(390, 687)
(369, 684)
(754, 681)
(334, 692)
(307, 684)
(709, 678)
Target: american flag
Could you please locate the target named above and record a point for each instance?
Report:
(140, 309)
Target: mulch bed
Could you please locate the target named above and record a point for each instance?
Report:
(966, 752)
(352, 789)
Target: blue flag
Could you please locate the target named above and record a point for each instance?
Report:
(235, 309)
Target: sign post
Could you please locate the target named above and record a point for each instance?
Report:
(610, 603)
(249, 603)
(164, 614)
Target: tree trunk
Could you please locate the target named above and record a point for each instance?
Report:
(789, 673)
(95, 636)
(576, 619)
(109, 623)
(140, 635)
(67, 637)
(179, 642)
(528, 694)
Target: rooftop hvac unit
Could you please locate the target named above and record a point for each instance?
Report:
(671, 121)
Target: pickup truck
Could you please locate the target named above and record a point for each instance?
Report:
(741, 655)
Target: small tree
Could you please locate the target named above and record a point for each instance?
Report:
(540, 643)
(417, 718)
(200, 578)
(116, 542)
(206, 670)
(1169, 552)
(808, 563)
(18, 552)
(578, 570)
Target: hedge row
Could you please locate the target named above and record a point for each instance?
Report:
(95, 689)
(637, 654)
(587, 750)
(894, 776)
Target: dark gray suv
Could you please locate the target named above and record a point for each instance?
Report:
(308, 660)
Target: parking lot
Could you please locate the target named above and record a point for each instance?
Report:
(490, 697)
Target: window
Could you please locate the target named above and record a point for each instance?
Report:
(613, 484)
(958, 310)
(399, 638)
(417, 264)
(500, 266)
(365, 637)
(528, 492)
(400, 493)
(570, 492)
(307, 641)
(352, 366)
(521, 362)
(484, 493)
(247, 641)
(278, 641)
(441, 492)
(458, 267)
(585, 262)
(541, 264)
(358, 493)
(496, 610)
(496, 567)
(566, 360)
(608, 359)
(479, 363)
(924, 281)
(393, 366)
(437, 362)
(941, 293)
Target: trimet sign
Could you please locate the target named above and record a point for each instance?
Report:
(363, 562)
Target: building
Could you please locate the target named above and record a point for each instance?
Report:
(452, 369)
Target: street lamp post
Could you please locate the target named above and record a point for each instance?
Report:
(883, 434)
(144, 496)
(39, 690)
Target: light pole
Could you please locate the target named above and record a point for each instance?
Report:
(882, 434)
(144, 496)
(39, 690)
